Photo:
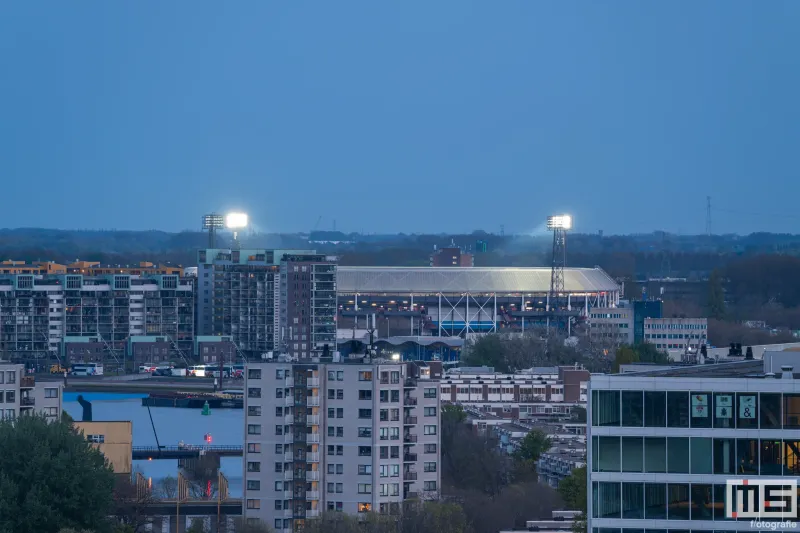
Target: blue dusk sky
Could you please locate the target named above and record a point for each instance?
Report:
(414, 116)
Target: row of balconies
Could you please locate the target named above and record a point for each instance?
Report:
(307, 475)
(309, 457)
(311, 420)
(311, 401)
(289, 438)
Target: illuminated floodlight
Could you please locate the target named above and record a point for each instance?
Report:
(236, 220)
(395, 357)
(559, 222)
(213, 221)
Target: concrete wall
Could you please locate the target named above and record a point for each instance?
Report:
(117, 441)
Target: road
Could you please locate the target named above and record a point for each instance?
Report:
(138, 383)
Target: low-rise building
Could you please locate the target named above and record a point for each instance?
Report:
(20, 394)
(114, 439)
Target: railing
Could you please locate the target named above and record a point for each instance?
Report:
(312, 382)
(26, 401)
(410, 457)
(409, 476)
(288, 400)
(27, 382)
(288, 457)
(410, 420)
(312, 420)
(288, 437)
(312, 401)
(408, 400)
(312, 495)
(409, 438)
(288, 419)
(312, 475)
(312, 437)
(288, 382)
(312, 513)
(288, 475)
(312, 457)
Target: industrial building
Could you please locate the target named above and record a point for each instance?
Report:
(422, 310)
(267, 300)
(665, 443)
(40, 313)
(354, 436)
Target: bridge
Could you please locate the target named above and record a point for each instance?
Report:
(184, 452)
(229, 507)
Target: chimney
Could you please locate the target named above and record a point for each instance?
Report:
(787, 372)
(769, 375)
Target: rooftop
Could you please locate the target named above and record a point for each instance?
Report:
(753, 369)
(487, 280)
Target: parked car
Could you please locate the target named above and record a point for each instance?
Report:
(163, 371)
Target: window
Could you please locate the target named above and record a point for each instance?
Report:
(429, 486)
(723, 410)
(770, 411)
(655, 409)
(253, 484)
(279, 430)
(99, 439)
(605, 408)
(384, 452)
(395, 414)
(394, 374)
(606, 499)
(365, 488)
(383, 396)
(655, 454)
(746, 409)
(395, 396)
(700, 404)
(655, 501)
(632, 454)
(280, 373)
(430, 448)
(701, 455)
(394, 470)
(340, 375)
(677, 409)
(632, 408)
(254, 504)
(10, 396)
(429, 430)
(279, 449)
(429, 393)
(254, 466)
(365, 413)
(633, 500)
(331, 375)
(678, 455)
(430, 411)
(364, 394)
(331, 449)
(256, 393)
(394, 452)
(724, 456)
(254, 429)
(331, 412)
(702, 502)
(254, 410)
(365, 470)
(254, 373)
(429, 467)
(791, 411)
(364, 507)
(253, 447)
(279, 411)
(364, 451)
(51, 393)
(365, 432)
(278, 505)
(339, 488)
(747, 456)
(340, 412)
(365, 375)
(678, 501)
(606, 449)
(771, 457)
(384, 415)
(279, 486)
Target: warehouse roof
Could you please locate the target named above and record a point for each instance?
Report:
(475, 280)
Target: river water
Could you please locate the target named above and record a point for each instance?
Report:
(172, 425)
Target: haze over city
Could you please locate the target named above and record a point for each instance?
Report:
(427, 117)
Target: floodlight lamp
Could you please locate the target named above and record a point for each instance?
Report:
(559, 222)
(213, 221)
(236, 220)
(395, 357)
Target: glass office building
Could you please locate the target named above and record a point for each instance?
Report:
(663, 443)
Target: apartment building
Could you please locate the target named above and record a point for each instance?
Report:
(665, 442)
(20, 394)
(40, 312)
(308, 304)
(347, 436)
(676, 333)
(254, 295)
(533, 393)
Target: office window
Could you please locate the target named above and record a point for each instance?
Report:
(700, 404)
(632, 454)
(677, 409)
(253, 447)
(791, 411)
(769, 411)
(746, 410)
(429, 430)
(724, 456)
(606, 499)
(364, 451)
(747, 456)
(253, 484)
(791, 460)
(365, 375)
(365, 413)
(655, 409)
(365, 470)
(605, 408)
(429, 411)
(607, 453)
(655, 501)
(723, 410)
(678, 455)
(655, 454)
(364, 394)
(253, 373)
(253, 429)
(633, 500)
(678, 501)
(701, 455)
(771, 463)
(365, 488)
(632, 408)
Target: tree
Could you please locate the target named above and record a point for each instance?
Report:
(240, 525)
(167, 488)
(625, 355)
(716, 296)
(648, 353)
(533, 445)
(573, 491)
(132, 505)
(51, 478)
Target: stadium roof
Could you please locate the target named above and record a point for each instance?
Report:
(475, 280)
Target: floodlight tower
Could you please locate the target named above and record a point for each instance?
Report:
(559, 225)
(235, 222)
(212, 223)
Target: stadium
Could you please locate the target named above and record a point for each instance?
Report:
(427, 312)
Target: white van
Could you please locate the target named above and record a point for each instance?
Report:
(87, 369)
(199, 371)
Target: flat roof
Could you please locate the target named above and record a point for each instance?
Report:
(736, 369)
(475, 280)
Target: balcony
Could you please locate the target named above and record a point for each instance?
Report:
(26, 401)
(312, 420)
(408, 437)
(408, 400)
(288, 457)
(409, 476)
(288, 401)
(288, 475)
(410, 383)
(312, 401)
(312, 382)
(312, 495)
(287, 495)
(288, 438)
(288, 419)
(408, 495)
(312, 437)
(312, 475)
(410, 420)
(288, 383)
(410, 457)
(312, 513)
(312, 457)
(27, 382)
(287, 513)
